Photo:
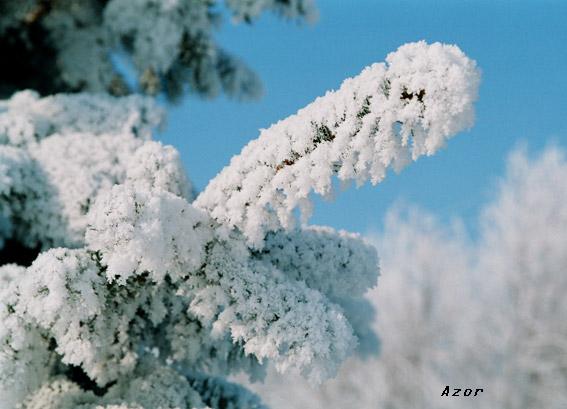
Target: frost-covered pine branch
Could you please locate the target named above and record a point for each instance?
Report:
(383, 118)
(143, 298)
(58, 153)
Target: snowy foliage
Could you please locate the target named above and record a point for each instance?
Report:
(69, 46)
(143, 298)
(27, 118)
(487, 314)
(152, 387)
(338, 264)
(383, 118)
(59, 153)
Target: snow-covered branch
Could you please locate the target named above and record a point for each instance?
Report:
(384, 117)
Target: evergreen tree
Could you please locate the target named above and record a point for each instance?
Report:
(145, 296)
(68, 45)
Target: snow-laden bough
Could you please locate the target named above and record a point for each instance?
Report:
(390, 114)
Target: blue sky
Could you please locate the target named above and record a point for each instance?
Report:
(520, 46)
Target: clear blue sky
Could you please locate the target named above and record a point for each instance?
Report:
(520, 46)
